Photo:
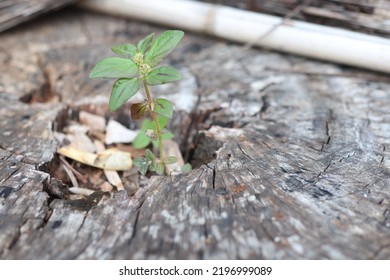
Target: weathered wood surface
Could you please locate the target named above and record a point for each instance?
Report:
(14, 12)
(293, 161)
(363, 16)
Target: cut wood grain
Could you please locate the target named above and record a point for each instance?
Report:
(23, 201)
(288, 165)
(363, 16)
(14, 12)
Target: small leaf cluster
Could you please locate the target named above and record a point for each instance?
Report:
(136, 67)
(149, 135)
(149, 162)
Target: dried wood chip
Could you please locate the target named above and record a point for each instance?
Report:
(171, 148)
(130, 149)
(110, 159)
(76, 135)
(117, 133)
(94, 122)
(69, 172)
(81, 191)
(106, 187)
(111, 175)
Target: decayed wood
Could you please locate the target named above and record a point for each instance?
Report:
(363, 16)
(289, 164)
(14, 12)
(22, 198)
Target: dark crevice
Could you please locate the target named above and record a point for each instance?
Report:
(326, 167)
(383, 151)
(328, 121)
(135, 225)
(87, 203)
(44, 93)
(5, 191)
(10, 174)
(265, 104)
(46, 187)
(54, 187)
(244, 153)
(214, 174)
(204, 150)
(82, 223)
(47, 218)
(320, 192)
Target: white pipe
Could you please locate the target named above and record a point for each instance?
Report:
(301, 38)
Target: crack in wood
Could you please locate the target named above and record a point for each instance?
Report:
(244, 153)
(135, 224)
(330, 118)
(214, 175)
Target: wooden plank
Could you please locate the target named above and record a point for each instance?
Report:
(23, 201)
(13, 12)
(291, 159)
(362, 16)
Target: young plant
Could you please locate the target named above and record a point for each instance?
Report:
(136, 67)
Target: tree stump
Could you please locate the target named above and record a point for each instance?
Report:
(291, 155)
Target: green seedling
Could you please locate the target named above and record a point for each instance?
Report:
(144, 138)
(136, 67)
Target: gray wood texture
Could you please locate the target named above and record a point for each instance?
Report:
(15, 12)
(292, 156)
(362, 16)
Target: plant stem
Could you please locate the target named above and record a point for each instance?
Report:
(155, 119)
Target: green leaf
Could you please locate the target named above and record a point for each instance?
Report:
(162, 75)
(114, 67)
(162, 122)
(186, 167)
(123, 90)
(138, 110)
(142, 163)
(141, 140)
(149, 155)
(124, 50)
(163, 107)
(162, 46)
(160, 168)
(170, 160)
(145, 44)
(167, 135)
